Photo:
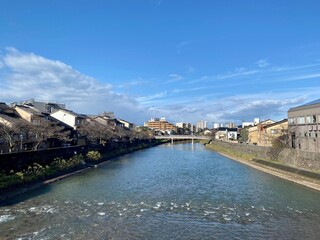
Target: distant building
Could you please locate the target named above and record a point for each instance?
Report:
(160, 125)
(255, 122)
(184, 128)
(247, 124)
(304, 126)
(215, 125)
(226, 134)
(201, 125)
(126, 124)
(44, 107)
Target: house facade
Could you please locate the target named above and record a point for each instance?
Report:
(304, 127)
(30, 114)
(271, 133)
(226, 134)
(69, 118)
(126, 124)
(255, 133)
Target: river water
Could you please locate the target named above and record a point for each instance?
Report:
(180, 191)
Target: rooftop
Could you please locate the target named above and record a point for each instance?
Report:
(306, 105)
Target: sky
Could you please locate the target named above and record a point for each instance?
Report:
(185, 60)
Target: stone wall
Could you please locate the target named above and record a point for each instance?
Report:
(291, 157)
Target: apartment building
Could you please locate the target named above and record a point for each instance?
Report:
(160, 124)
(304, 126)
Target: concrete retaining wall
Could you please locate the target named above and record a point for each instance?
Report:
(291, 157)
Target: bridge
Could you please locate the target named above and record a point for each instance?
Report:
(183, 137)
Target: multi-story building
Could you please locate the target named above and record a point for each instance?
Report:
(201, 125)
(160, 125)
(184, 128)
(215, 125)
(304, 126)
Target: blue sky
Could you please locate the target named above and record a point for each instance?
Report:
(218, 61)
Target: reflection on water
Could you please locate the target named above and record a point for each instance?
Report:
(179, 192)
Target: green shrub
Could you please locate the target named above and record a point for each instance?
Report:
(93, 155)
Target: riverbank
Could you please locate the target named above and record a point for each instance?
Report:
(248, 160)
(11, 192)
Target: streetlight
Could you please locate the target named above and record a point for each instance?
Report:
(21, 138)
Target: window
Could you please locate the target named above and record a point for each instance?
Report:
(314, 118)
(311, 119)
(308, 119)
(49, 109)
(274, 131)
(301, 120)
(291, 120)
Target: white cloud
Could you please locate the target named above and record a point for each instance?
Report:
(263, 63)
(175, 77)
(27, 75)
(146, 99)
(240, 72)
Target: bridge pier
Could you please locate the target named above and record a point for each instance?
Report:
(171, 141)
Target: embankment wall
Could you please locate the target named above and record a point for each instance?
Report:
(291, 157)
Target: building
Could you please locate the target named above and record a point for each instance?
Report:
(201, 125)
(126, 124)
(255, 132)
(30, 114)
(226, 134)
(247, 124)
(69, 118)
(160, 125)
(184, 128)
(304, 126)
(44, 107)
(271, 134)
(215, 125)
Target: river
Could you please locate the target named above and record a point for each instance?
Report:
(180, 191)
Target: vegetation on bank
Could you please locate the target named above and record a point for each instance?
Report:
(59, 166)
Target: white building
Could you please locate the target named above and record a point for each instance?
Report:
(68, 117)
(202, 125)
(215, 125)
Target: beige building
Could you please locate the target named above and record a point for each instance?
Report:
(160, 125)
(255, 132)
(304, 126)
(30, 114)
(271, 133)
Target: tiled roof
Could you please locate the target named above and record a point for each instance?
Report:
(11, 119)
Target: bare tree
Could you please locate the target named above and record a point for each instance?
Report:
(96, 132)
(48, 130)
(14, 132)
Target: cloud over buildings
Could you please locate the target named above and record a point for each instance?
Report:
(27, 75)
